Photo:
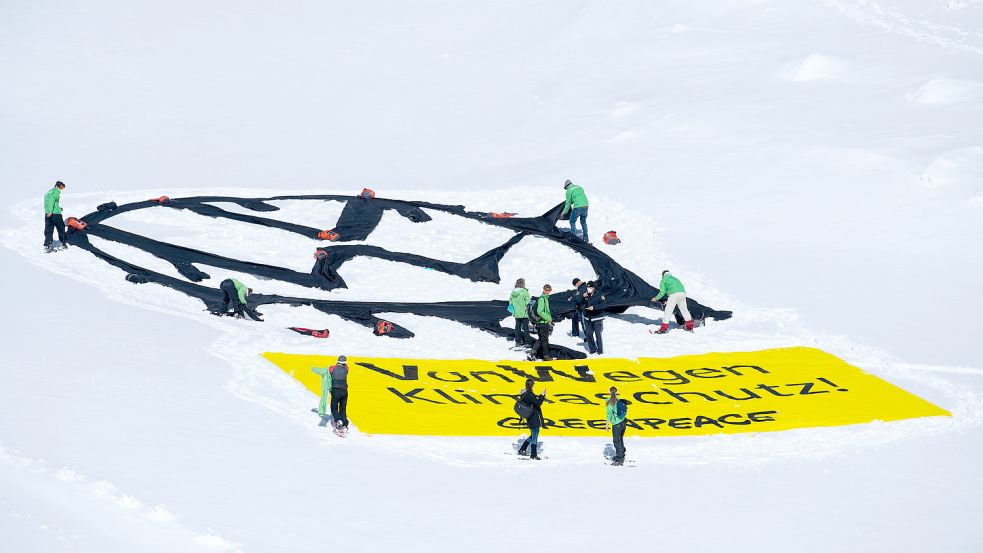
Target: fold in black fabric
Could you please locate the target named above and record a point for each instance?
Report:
(358, 220)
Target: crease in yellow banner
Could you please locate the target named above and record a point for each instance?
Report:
(776, 389)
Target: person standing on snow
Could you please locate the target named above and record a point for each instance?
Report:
(535, 421)
(594, 319)
(577, 318)
(617, 423)
(675, 294)
(234, 292)
(339, 392)
(52, 216)
(325, 374)
(519, 303)
(544, 326)
(576, 204)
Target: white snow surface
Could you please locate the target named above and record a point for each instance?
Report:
(814, 166)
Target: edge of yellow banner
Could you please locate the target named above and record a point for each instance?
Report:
(700, 394)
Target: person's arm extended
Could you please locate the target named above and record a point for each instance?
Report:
(319, 370)
(567, 203)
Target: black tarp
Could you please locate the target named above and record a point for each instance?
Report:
(358, 220)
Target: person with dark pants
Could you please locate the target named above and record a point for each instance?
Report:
(339, 392)
(544, 325)
(535, 421)
(52, 217)
(576, 204)
(594, 319)
(577, 318)
(519, 302)
(617, 423)
(234, 292)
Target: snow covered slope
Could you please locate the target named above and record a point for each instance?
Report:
(787, 158)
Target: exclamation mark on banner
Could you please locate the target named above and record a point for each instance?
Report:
(830, 382)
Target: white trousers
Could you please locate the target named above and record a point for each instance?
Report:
(672, 301)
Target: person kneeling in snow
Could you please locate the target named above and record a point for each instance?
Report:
(675, 294)
(235, 292)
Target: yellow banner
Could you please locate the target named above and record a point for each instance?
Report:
(756, 391)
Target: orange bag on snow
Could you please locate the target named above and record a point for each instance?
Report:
(611, 238)
(383, 327)
(76, 224)
(160, 200)
(504, 215)
(367, 194)
(328, 235)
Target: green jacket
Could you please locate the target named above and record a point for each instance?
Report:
(519, 300)
(51, 201)
(325, 379)
(612, 414)
(543, 309)
(669, 285)
(575, 198)
(241, 289)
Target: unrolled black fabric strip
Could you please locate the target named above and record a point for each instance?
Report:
(358, 220)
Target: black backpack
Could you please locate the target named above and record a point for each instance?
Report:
(523, 409)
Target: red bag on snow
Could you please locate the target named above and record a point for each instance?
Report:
(611, 238)
(383, 327)
(323, 333)
(367, 194)
(328, 235)
(160, 200)
(76, 224)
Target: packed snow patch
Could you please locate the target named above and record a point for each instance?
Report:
(945, 91)
(814, 67)
(959, 173)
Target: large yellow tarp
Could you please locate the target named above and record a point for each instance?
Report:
(776, 389)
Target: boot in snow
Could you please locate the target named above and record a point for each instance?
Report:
(523, 447)
(663, 329)
(533, 455)
(689, 325)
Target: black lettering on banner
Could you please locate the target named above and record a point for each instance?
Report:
(410, 372)
(572, 423)
(723, 419)
(771, 390)
(491, 397)
(640, 397)
(681, 423)
(448, 397)
(511, 422)
(830, 382)
(622, 376)
(468, 397)
(411, 395)
(748, 394)
(679, 395)
(598, 424)
(701, 420)
(477, 375)
(543, 373)
(576, 399)
(806, 386)
(460, 377)
(733, 370)
(652, 423)
(676, 378)
(692, 372)
(632, 424)
(762, 416)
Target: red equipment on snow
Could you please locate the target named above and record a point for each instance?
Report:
(611, 238)
(323, 333)
(383, 327)
(76, 224)
(160, 200)
(503, 215)
(320, 254)
(367, 194)
(328, 235)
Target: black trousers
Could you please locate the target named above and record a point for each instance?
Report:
(50, 224)
(542, 346)
(522, 336)
(229, 294)
(339, 406)
(618, 435)
(575, 321)
(593, 330)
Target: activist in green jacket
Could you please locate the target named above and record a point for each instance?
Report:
(52, 201)
(612, 414)
(618, 425)
(519, 300)
(668, 285)
(575, 198)
(543, 307)
(241, 290)
(325, 389)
